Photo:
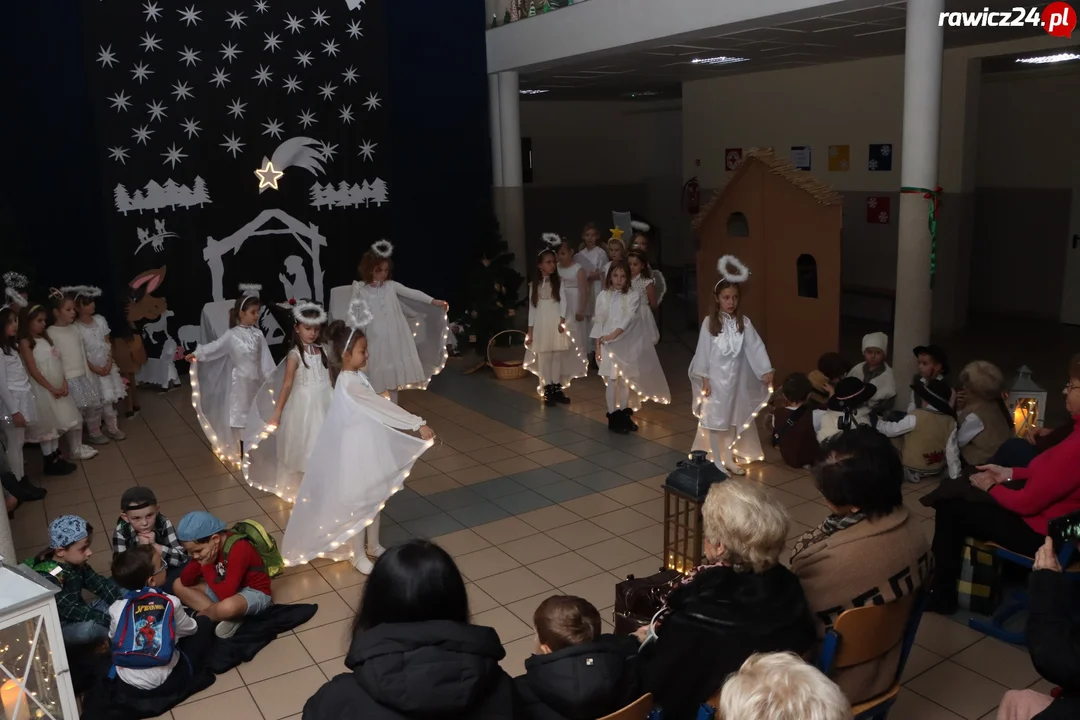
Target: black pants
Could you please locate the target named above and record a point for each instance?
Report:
(958, 519)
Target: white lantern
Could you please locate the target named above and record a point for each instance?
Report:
(1026, 402)
(35, 682)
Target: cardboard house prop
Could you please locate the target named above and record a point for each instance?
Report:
(785, 226)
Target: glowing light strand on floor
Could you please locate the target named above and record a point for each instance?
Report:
(741, 430)
(642, 396)
(577, 352)
(225, 455)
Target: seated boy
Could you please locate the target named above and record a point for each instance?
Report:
(926, 436)
(141, 523)
(875, 370)
(65, 564)
(576, 672)
(846, 409)
(793, 422)
(933, 365)
(135, 569)
(831, 369)
(226, 579)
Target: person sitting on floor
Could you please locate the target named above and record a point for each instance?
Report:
(869, 551)
(414, 653)
(226, 579)
(933, 364)
(781, 686)
(741, 602)
(926, 436)
(831, 369)
(577, 673)
(141, 523)
(1014, 515)
(846, 409)
(983, 421)
(793, 422)
(875, 370)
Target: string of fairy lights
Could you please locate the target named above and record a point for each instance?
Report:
(630, 384)
(535, 360)
(743, 428)
(20, 699)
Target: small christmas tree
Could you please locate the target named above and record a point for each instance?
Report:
(493, 292)
(546, 7)
(494, 20)
(532, 9)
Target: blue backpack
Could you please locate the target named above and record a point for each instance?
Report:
(145, 636)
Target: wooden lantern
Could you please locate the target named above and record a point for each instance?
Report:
(684, 494)
(1026, 402)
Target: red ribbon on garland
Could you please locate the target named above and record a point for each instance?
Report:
(932, 196)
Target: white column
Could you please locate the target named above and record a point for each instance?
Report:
(919, 167)
(513, 228)
(495, 123)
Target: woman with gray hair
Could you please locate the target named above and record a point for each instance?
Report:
(741, 602)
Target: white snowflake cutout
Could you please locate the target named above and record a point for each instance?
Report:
(883, 217)
(872, 164)
(872, 202)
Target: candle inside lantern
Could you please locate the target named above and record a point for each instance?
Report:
(10, 694)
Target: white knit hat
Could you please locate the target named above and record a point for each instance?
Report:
(877, 340)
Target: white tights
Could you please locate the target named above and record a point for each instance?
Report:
(48, 447)
(74, 438)
(719, 443)
(550, 366)
(618, 394)
(14, 438)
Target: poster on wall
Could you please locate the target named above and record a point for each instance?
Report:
(732, 158)
(880, 157)
(878, 209)
(839, 158)
(241, 142)
(800, 156)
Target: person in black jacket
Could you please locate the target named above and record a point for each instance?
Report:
(577, 673)
(414, 653)
(1054, 643)
(743, 602)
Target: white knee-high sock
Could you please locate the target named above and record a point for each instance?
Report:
(48, 447)
(15, 437)
(372, 533)
(720, 443)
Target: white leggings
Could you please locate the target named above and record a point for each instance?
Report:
(719, 443)
(92, 418)
(74, 441)
(14, 438)
(550, 366)
(618, 394)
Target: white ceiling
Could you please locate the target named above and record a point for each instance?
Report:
(839, 37)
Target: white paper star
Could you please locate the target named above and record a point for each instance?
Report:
(273, 128)
(367, 149)
(118, 153)
(181, 90)
(190, 16)
(327, 91)
(120, 101)
(152, 11)
(295, 25)
(140, 72)
(232, 144)
(220, 77)
(174, 155)
(372, 101)
(320, 18)
(261, 6)
(307, 118)
(236, 20)
(268, 176)
(150, 43)
(346, 114)
(191, 127)
(351, 75)
(327, 151)
(330, 48)
(236, 109)
(106, 57)
(229, 52)
(273, 42)
(354, 30)
(304, 58)
(156, 110)
(292, 85)
(189, 57)
(263, 76)
(141, 136)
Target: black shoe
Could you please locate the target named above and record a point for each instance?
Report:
(628, 414)
(25, 482)
(560, 396)
(614, 423)
(22, 492)
(549, 395)
(55, 465)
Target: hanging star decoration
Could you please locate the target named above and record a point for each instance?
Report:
(268, 176)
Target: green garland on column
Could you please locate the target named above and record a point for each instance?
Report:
(933, 197)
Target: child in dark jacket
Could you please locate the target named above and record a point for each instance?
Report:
(577, 673)
(793, 422)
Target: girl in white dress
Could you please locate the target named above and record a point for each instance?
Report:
(398, 362)
(57, 414)
(67, 340)
(617, 253)
(640, 241)
(592, 257)
(289, 409)
(641, 281)
(628, 361)
(731, 375)
(103, 371)
(574, 285)
(17, 406)
(360, 459)
(227, 373)
(550, 351)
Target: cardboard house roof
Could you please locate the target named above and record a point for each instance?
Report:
(822, 193)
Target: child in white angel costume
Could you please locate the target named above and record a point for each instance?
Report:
(290, 407)
(628, 361)
(551, 352)
(731, 375)
(226, 375)
(104, 373)
(574, 285)
(642, 282)
(408, 329)
(361, 458)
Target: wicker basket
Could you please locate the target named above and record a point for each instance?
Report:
(509, 370)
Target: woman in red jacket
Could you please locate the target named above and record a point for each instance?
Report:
(1024, 501)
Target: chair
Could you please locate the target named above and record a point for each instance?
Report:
(637, 710)
(866, 633)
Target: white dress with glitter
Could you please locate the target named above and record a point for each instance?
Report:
(631, 356)
(17, 396)
(68, 340)
(361, 458)
(645, 312)
(98, 352)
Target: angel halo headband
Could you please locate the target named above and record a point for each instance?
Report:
(552, 241)
(731, 269)
(88, 291)
(640, 226)
(316, 315)
(383, 248)
(14, 299)
(249, 290)
(358, 315)
(15, 280)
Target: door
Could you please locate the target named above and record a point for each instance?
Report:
(1070, 294)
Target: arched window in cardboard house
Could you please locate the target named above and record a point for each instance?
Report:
(737, 225)
(806, 272)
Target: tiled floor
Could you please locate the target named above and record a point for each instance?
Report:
(529, 500)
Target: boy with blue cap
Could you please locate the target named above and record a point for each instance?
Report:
(226, 579)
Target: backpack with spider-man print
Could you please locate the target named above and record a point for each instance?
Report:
(145, 635)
